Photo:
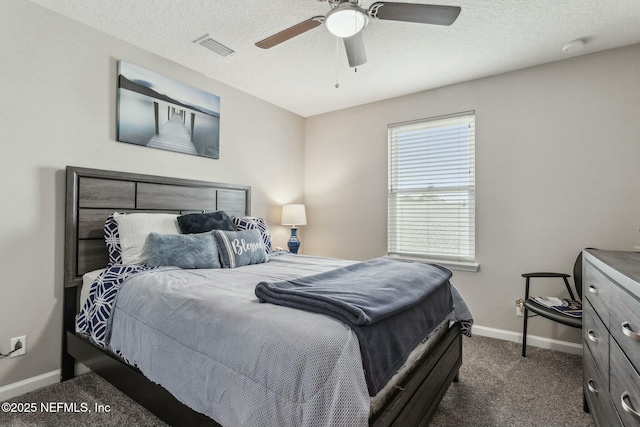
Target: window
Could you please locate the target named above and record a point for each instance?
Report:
(432, 189)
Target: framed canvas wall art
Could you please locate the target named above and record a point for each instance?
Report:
(158, 112)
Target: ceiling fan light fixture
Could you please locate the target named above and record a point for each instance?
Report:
(346, 20)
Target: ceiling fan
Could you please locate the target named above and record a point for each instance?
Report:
(347, 19)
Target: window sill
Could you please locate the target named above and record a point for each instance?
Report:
(451, 265)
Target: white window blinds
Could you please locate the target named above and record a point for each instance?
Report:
(432, 188)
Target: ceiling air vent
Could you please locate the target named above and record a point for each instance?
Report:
(214, 46)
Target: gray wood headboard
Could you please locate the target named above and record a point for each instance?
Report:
(93, 194)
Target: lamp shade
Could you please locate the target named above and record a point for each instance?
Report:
(294, 215)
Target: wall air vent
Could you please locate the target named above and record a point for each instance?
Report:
(214, 46)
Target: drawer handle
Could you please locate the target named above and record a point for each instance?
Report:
(627, 408)
(592, 336)
(626, 329)
(590, 386)
(593, 289)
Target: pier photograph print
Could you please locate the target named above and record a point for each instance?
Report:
(159, 112)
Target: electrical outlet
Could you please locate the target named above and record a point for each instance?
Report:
(520, 307)
(23, 343)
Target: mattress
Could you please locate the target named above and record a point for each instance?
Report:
(378, 401)
(204, 337)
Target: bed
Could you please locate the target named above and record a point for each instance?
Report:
(92, 195)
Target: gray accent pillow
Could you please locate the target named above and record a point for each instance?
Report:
(238, 248)
(183, 250)
(203, 222)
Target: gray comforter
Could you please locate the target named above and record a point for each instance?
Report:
(203, 335)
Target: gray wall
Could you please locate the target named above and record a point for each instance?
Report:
(558, 169)
(58, 92)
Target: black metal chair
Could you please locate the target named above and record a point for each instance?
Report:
(547, 312)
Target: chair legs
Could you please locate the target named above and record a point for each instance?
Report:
(524, 333)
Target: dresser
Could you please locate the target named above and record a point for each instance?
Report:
(611, 336)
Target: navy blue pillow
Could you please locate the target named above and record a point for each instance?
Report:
(204, 222)
(238, 248)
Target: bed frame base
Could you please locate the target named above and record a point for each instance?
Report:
(417, 400)
(413, 404)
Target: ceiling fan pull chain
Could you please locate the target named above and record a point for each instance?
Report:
(337, 60)
(355, 30)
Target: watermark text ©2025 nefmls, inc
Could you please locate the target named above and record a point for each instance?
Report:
(53, 407)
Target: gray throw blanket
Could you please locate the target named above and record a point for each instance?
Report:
(391, 306)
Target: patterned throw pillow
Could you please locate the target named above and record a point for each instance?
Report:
(239, 248)
(254, 223)
(112, 240)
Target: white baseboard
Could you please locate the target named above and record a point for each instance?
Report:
(533, 340)
(34, 383)
(30, 384)
(81, 369)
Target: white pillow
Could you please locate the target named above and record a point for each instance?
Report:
(134, 230)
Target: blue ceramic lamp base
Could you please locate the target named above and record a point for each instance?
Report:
(294, 242)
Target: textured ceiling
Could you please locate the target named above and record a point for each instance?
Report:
(489, 37)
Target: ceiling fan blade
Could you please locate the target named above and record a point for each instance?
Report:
(354, 46)
(290, 32)
(413, 12)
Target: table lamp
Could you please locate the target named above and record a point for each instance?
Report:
(294, 215)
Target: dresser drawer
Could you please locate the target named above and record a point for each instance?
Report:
(625, 387)
(596, 289)
(596, 393)
(624, 323)
(596, 337)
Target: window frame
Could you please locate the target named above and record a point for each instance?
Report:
(459, 261)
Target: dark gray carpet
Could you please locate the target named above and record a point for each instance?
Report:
(497, 388)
